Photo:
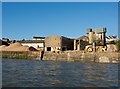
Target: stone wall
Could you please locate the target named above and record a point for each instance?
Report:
(80, 56)
(101, 57)
(53, 41)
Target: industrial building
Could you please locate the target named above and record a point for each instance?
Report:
(58, 43)
(98, 36)
(80, 43)
(95, 41)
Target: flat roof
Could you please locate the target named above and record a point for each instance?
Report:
(31, 41)
(35, 37)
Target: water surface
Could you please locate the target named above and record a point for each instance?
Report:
(31, 73)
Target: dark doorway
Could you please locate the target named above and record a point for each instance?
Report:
(48, 48)
(42, 53)
(63, 49)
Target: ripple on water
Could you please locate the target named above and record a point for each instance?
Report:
(28, 73)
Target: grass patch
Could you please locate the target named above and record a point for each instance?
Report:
(15, 56)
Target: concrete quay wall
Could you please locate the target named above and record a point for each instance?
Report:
(101, 57)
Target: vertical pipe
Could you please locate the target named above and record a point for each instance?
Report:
(74, 44)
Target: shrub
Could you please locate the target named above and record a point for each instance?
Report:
(118, 45)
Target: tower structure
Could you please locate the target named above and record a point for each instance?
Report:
(101, 34)
(91, 35)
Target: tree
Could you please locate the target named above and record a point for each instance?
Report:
(112, 42)
(23, 39)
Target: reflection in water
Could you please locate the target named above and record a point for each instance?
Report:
(28, 73)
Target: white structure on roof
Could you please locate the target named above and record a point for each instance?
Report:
(111, 38)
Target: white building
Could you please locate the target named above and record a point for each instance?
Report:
(38, 44)
(111, 38)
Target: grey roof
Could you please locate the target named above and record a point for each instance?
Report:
(35, 37)
(31, 41)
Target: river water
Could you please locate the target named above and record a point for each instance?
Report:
(32, 73)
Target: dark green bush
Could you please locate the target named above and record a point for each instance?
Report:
(118, 45)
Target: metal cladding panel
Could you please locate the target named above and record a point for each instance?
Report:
(101, 30)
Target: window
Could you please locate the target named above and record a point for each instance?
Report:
(48, 48)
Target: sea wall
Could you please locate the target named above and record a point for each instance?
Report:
(78, 56)
(101, 57)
